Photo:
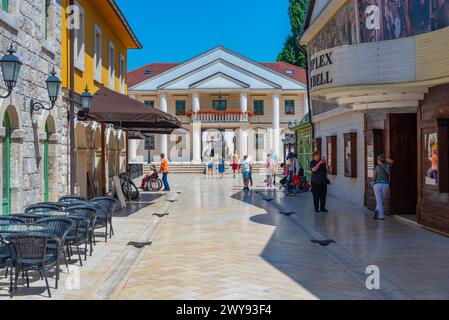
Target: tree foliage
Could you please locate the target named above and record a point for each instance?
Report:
(291, 53)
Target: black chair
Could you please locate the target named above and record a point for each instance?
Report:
(60, 228)
(29, 218)
(7, 260)
(86, 219)
(13, 219)
(31, 255)
(108, 205)
(71, 199)
(36, 208)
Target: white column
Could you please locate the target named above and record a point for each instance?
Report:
(163, 106)
(243, 141)
(133, 150)
(243, 102)
(306, 104)
(196, 142)
(195, 102)
(276, 122)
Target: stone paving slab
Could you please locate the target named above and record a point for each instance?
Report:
(412, 260)
(220, 243)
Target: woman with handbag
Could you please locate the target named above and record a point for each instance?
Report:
(319, 181)
(381, 184)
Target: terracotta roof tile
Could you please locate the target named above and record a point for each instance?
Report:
(151, 70)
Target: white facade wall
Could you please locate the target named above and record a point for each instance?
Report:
(348, 189)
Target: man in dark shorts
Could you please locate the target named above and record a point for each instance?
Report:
(318, 166)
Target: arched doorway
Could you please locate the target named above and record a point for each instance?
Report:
(6, 165)
(10, 154)
(49, 161)
(82, 161)
(46, 164)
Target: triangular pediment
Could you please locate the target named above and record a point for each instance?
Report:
(219, 81)
(219, 68)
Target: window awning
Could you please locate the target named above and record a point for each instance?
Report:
(126, 113)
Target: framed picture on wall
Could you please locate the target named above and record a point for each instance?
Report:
(331, 154)
(350, 155)
(317, 145)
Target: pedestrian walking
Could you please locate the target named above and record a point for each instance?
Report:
(319, 180)
(246, 168)
(235, 163)
(381, 184)
(274, 157)
(294, 170)
(164, 170)
(210, 168)
(221, 168)
(269, 169)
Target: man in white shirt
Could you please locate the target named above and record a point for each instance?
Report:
(246, 168)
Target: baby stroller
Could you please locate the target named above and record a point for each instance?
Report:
(152, 182)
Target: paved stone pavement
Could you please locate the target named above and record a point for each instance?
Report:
(221, 243)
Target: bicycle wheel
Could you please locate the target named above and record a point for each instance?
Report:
(126, 190)
(133, 191)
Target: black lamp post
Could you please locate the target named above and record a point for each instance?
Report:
(86, 104)
(53, 88)
(10, 65)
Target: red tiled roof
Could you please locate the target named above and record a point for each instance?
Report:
(137, 76)
(299, 74)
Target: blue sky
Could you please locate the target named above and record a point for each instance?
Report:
(177, 30)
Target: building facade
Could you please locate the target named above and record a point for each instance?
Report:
(100, 36)
(379, 74)
(33, 145)
(225, 101)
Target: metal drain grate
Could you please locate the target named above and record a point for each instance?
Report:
(140, 245)
(323, 243)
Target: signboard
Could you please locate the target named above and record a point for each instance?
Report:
(150, 143)
(320, 68)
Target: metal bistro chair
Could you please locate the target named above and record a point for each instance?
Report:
(71, 199)
(37, 208)
(7, 260)
(13, 219)
(31, 255)
(108, 205)
(60, 228)
(86, 219)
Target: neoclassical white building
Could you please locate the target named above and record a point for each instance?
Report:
(219, 96)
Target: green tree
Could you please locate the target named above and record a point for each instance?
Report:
(291, 53)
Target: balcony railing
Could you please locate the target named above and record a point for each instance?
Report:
(212, 116)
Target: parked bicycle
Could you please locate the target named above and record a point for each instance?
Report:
(129, 188)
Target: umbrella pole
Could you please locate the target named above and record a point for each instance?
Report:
(127, 152)
(103, 158)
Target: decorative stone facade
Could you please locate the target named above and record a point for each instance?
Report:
(24, 26)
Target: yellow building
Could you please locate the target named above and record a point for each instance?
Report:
(95, 40)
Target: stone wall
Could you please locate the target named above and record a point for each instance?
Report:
(23, 25)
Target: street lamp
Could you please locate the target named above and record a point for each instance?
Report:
(86, 104)
(10, 65)
(53, 88)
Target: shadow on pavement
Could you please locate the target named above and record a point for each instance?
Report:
(144, 200)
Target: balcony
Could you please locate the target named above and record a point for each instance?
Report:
(213, 116)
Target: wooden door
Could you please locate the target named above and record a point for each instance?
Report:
(403, 147)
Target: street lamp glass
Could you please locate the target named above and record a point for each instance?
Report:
(53, 87)
(11, 65)
(86, 100)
